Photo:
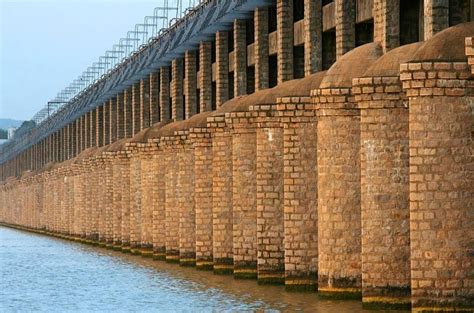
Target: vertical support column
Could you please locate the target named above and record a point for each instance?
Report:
(84, 132)
(77, 136)
(345, 26)
(99, 118)
(136, 110)
(146, 202)
(441, 185)
(159, 205)
(313, 24)
(205, 76)
(108, 197)
(135, 199)
(384, 192)
(240, 58)
(203, 197)
(128, 116)
(222, 66)
(436, 17)
(285, 40)
(87, 131)
(387, 23)
(165, 94)
(171, 211)
(81, 135)
(113, 120)
(244, 195)
(270, 217)
(144, 103)
(106, 123)
(177, 89)
(190, 84)
(339, 229)
(116, 180)
(185, 202)
(125, 214)
(73, 139)
(154, 98)
(300, 194)
(120, 116)
(93, 129)
(261, 48)
(221, 196)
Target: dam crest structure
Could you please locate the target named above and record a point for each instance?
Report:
(323, 145)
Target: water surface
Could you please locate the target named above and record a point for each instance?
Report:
(44, 274)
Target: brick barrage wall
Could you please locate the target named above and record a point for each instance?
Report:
(362, 190)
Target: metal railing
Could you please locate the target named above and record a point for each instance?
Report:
(164, 17)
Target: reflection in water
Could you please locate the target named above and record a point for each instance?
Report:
(39, 273)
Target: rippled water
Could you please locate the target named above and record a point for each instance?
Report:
(39, 273)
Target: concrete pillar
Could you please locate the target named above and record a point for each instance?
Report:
(313, 24)
(136, 110)
(436, 17)
(120, 104)
(345, 26)
(113, 120)
(261, 48)
(222, 68)
(300, 193)
(203, 197)
(185, 203)
(190, 84)
(165, 94)
(144, 103)
(339, 229)
(222, 228)
(285, 40)
(384, 191)
(128, 116)
(154, 97)
(205, 76)
(270, 218)
(177, 113)
(387, 23)
(240, 58)
(441, 184)
(244, 194)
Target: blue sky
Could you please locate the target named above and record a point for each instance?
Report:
(45, 45)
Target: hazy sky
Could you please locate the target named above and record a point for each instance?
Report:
(46, 44)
